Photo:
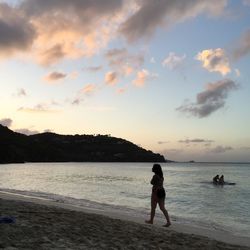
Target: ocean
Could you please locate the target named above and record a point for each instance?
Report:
(191, 198)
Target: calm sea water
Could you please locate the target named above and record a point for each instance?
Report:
(191, 198)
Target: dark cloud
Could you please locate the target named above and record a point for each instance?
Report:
(210, 100)
(58, 29)
(84, 9)
(6, 122)
(220, 149)
(55, 29)
(151, 15)
(55, 76)
(243, 47)
(187, 141)
(17, 34)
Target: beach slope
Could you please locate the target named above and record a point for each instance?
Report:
(39, 226)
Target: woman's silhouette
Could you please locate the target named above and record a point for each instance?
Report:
(158, 195)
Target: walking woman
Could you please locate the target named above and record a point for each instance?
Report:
(158, 195)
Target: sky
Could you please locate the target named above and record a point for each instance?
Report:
(169, 76)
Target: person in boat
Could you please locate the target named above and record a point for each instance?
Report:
(216, 179)
(221, 180)
(158, 195)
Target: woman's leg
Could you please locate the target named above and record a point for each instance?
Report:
(153, 207)
(165, 212)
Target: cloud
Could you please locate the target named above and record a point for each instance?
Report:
(55, 76)
(172, 151)
(7, 122)
(150, 15)
(89, 88)
(243, 47)
(26, 131)
(20, 93)
(173, 61)
(142, 77)
(17, 33)
(124, 62)
(50, 31)
(246, 2)
(187, 141)
(67, 29)
(39, 108)
(220, 149)
(210, 100)
(116, 53)
(53, 30)
(77, 100)
(214, 60)
(111, 78)
(94, 69)
(51, 55)
(121, 90)
(82, 9)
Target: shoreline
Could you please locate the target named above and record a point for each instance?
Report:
(201, 235)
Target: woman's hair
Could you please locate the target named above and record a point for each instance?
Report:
(157, 170)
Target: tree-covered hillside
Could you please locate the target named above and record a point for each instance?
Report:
(51, 147)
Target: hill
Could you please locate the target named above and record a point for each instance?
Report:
(51, 147)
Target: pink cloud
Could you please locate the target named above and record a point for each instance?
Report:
(55, 76)
(141, 78)
(89, 88)
(111, 78)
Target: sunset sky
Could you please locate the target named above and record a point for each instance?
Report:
(170, 76)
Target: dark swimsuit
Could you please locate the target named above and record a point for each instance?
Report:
(157, 188)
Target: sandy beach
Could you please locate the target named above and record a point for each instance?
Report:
(42, 225)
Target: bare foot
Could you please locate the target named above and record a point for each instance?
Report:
(167, 225)
(148, 221)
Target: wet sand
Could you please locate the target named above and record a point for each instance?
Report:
(40, 225)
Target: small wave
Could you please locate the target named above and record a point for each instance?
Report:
(84, 203)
